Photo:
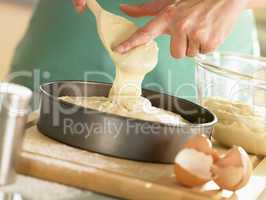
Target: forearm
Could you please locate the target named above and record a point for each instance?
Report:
(256, 4)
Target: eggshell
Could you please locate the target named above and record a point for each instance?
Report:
(187, 169)
(197, 163)
(233, 170)
(185, 178)
(203, 144)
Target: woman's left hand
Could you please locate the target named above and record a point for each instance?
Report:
(195, 26)
(80, 5)
(147, 9)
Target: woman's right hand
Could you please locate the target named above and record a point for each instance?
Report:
(80, 5)
(195, 26)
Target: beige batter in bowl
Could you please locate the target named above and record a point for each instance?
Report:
(233, 86)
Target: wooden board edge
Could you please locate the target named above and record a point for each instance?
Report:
(99, 181)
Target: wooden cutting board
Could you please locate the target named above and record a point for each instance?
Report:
(50, 160)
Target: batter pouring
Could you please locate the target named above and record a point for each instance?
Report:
(125, 96)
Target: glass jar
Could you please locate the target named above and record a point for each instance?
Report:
(233, 86)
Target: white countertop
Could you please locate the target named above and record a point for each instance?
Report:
(36, 189)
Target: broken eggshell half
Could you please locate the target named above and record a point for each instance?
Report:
(194, 162)
(233, 170)
(189, 172)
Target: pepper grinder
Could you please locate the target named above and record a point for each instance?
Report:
(14, 110)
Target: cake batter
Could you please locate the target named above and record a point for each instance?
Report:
(125, 96)
(238, 125)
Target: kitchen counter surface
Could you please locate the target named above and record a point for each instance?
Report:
(36, 189)
(33, 189)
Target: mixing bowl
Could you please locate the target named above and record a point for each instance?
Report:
(233, 86)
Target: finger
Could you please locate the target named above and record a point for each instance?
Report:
(179, 45)
(80, 5)
(152, 30)
(138, 10)
(209, 46)
(147, 9)
(193, 47)
(205, 49)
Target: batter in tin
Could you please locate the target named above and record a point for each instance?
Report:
(125, 96)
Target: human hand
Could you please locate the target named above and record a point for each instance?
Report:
(195, 26)
(148, 9)
(80, 5)
(151, 8)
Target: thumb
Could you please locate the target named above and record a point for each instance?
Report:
(147, 9)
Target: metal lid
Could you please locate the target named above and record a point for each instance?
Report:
(15, 98)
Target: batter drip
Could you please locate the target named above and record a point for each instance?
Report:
(125, 96)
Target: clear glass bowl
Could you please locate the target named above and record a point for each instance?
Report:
(233, 86)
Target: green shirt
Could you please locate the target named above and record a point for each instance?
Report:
(63, 45)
